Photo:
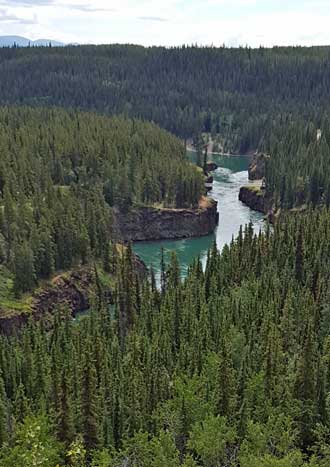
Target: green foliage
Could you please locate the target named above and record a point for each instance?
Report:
(212, 440)
(76, 454)
(102, 458)
(228, 367)
(245, 98)
(297, 173)
(237, 93)
(34, 446)
(24, 270)
(165, 453)
(270, 444)
(63, 174)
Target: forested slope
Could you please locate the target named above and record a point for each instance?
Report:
(298, 171)
(60, 174)
(266, 99)
(228, 368)
(234, 92)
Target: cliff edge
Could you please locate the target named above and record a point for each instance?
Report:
(152, 223)
(255, 197)
(257, 167)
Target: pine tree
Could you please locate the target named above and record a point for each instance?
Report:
(89, 403)
(4, 416)
(65, 429)
(225, 397)
(24, 279)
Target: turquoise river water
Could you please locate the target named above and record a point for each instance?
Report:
(228, 178)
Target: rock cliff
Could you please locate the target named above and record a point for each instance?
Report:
(211, 166)
(255, 198)
(149, 223)
(67, 291)
(257, 167)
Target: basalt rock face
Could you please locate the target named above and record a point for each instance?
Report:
(211, 166)
(68, 291)
(257, 167)
(140, 267)
(10, 324)
(148, 223)
(255, 198)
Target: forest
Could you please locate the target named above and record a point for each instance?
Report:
(297, 173)
(254, 99)
(229, 367)
(234, 92)
(60, 174)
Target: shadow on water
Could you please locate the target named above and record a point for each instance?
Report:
(228, 178)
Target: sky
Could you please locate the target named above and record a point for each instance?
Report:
(170, 22)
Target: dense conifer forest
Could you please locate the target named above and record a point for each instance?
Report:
(234, 92)
(229, 367)
(60, 174)
(244, 95)
(298, 171)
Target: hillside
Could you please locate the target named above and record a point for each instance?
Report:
(234, 92)
(228, 367)
(64, 176)
(245, 97)
(19, 41)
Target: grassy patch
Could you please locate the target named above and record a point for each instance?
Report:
(205, 202)
(255, 189)
(9, 304)
(64, 189)
(106, 279)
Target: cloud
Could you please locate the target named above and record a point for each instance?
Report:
(6, 17)
(170, 22)
(27, 3)
(84, 7)
(152, 18)
(89, 8)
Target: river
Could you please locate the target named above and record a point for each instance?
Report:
(228, 178)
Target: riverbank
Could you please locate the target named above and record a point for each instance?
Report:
(226, 154)
(230, 175)
(210, 149)
(255, 197)
(152, 223)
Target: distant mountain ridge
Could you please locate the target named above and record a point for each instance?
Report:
(20, 41)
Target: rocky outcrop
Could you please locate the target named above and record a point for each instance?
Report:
(211, 166)
(208, 184)
(68, 291)
(255, 198)
(257, 167)
(140, 267)
(11, 323)
(208, 187)
(149, 223)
